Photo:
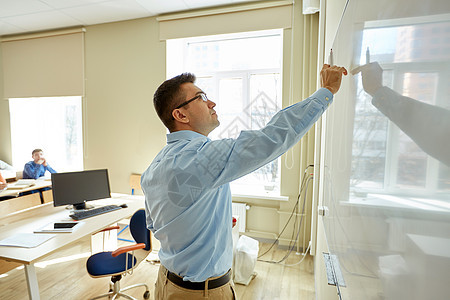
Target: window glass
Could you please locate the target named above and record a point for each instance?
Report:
(51, 124)
(384, 158)
(241, 73)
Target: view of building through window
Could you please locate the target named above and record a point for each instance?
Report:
(241, 73)
(384, 158)
(53, 124)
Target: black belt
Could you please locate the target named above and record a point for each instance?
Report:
(212, 284)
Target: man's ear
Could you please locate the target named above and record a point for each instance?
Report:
(178, 115)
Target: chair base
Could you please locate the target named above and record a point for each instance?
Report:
(115, 291)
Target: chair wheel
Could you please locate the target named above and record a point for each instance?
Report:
(147, 295)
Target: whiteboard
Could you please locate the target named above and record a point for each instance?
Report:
(385, 166)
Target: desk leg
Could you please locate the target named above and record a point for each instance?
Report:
(32, 282)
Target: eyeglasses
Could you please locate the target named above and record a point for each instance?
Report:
(201, 95)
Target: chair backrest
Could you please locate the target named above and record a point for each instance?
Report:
(19, 175)
(135, 182)
(139, 231)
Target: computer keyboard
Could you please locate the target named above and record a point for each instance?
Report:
(83, 214)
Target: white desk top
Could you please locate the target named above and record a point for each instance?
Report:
(39, 184)
(8, 174)
(28, 220)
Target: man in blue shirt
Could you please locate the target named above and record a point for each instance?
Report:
(37, 167)
(186, 187)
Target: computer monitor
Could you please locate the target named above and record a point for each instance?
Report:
(76, 188)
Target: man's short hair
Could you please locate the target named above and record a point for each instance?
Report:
(168, 96)
(36, 150)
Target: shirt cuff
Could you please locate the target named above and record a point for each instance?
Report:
(324, 96)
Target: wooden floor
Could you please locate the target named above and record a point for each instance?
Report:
(63, 276)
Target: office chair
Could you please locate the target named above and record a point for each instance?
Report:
(123, 260)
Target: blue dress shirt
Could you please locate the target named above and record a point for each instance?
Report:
(33, 170)
(187, 192)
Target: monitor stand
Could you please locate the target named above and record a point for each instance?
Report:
(82, 206)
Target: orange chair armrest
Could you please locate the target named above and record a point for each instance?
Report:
(127, 249)
(110, 228)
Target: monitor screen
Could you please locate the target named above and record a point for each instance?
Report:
(76, 188)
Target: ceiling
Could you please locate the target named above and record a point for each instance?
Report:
(21, 16)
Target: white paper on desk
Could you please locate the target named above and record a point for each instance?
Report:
(50, 227)
(26, 240)
(21, 184)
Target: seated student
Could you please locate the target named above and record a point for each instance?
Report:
(3, 186)
(7, 171)
(2, 183)
(37, 167)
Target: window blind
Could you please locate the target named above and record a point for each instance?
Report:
(250, 17)
(44, 65)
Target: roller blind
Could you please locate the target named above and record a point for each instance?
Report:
(44, 65)
(251, 17)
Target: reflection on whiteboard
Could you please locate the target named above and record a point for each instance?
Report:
(386, 165)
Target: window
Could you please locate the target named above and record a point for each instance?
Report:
(52, 124)
(241, 73)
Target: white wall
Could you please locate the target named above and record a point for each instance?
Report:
(5, 132)
(124, 66)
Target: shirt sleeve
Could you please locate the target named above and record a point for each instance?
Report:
(31, 171)
(149, 220)
(48, 168)
(222, 161)
(2, 179)
(427, 125)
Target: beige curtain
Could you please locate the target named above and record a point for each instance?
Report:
(309, 85)
(44, 65)
(239, 18)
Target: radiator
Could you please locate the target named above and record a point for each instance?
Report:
(240, 210)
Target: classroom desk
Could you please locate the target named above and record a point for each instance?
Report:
(27, 220)
(40, 184)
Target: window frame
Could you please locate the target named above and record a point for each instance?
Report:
(19, 160)
(245, 74)
(391, 152)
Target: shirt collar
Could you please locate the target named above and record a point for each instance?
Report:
(184, 135)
